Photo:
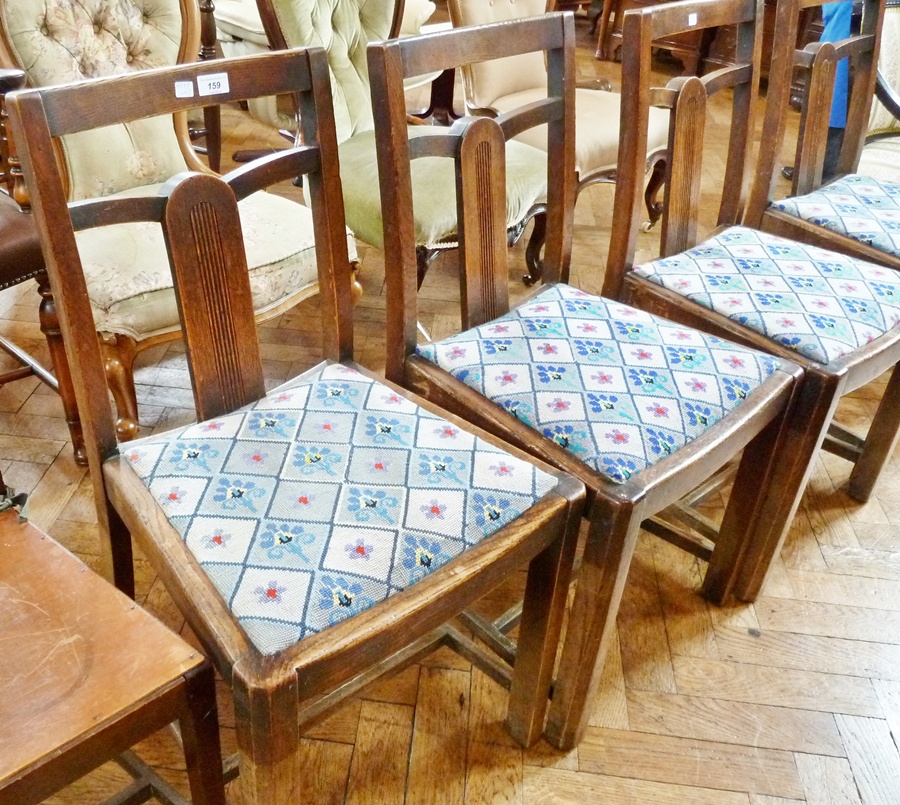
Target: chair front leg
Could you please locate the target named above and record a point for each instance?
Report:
(200, 733)
(118, 357)
(879, 444)
(598, 592)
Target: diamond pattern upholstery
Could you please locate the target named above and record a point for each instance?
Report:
(618, 388)
(327, 496)
(860, 207)
(817, 302)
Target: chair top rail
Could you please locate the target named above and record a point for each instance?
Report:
(676, 18)
(73, 108)
(834, 51)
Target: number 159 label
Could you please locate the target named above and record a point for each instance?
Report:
(212, 84)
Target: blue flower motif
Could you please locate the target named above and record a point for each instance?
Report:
(382, 430)
(635, 330)
(491, 511)
(439, 469)
(421, 556)
(494, 345)
(234, 494)
(660, 443)
(771, 299)
(883, 289)
(700, 415)
(366, 504)
(600, 403)
(187, 456)
(687, 357)
(342, 598)
(823, 322)
(264, 425)
(544, 326)
(619, 469)
(648, 380)
(311, 460)
(335, 394)
(281, 538)
(566, 437)
(550, 374)
(591, 349)
(520, 410)
(735, 389)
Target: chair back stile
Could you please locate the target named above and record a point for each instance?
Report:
(861, 50)
(483, 255)
(687, 98)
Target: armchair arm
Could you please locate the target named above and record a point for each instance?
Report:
(889, 97)
(10, 169)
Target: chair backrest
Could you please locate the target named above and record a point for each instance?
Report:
(881, 120)
(485, 82)
(208, 261)
(344, 29)
(686, 97)
(477, 146)
(60, 42)
(820, 59)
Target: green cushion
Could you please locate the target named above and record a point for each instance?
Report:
(434, 188)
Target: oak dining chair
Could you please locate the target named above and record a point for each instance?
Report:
(320, 534)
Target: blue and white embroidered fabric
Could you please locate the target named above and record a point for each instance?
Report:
(618, 388)
(819, 303)
(857, 206)
(327, 496)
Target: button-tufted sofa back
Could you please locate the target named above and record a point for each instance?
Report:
(61, 41)
(344, 28)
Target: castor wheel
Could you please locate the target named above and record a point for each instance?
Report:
(646, 226)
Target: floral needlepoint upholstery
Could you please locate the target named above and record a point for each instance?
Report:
(327, 496)
(862, 208)
(615, 386)
(819, 303)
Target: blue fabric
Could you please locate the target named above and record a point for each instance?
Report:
(836, 18)
(859, 207)
(330, 494)
(616, 387)
(821, 304)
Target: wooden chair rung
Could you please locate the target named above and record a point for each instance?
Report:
(694, 544)
(488, 633)
(145, 778)
(468, 649)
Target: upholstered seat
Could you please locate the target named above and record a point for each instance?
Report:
(327, 496)
(434, 189)
(860, 207)
(22, 257)
(130, 284)
(616, 387)
(128, 274)
(819, 303)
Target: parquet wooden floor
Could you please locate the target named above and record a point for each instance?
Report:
(793, 700)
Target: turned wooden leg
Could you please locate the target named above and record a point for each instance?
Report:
(598, 592)
(651, 194)
(603, 29)
(50, 328)
(200, 734)
(544, 605)
(118, 356)
(784, 461)
(267, 716)
(880, 442)
(534, 248)
(356, 289)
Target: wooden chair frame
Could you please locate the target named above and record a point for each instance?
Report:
(820, 60)
(275, 695)
(426, 254)
(823, 384)
(120, 350)
(756, 518)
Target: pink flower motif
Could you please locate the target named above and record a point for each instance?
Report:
(602, 378)
(642, 354)
(559, 405)
(734, 302)
(502, 470)
(506, 378)
(133, 456)
(617, 437)
(392, 399)
(681, 335)
(626, 311)
(256, 457)
(548, 349)
(173, 496)
(447, 432)
(499, 328)
(786, 323)
(734, 362)
(696, 385)
(207, 426)
(681, 284)
(659, 411)
(328, 427)
(540, 308)
(359, 550)
(848, 287)
(588, 328)
(768, 283)
(303, 500)
(820, 303)
(380, 465)
(434, 510)
(457, 352)
(271, 593)
(347, 370)
(217, 539)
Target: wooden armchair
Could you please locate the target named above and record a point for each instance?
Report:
(128, 279)
(495, 87)
(321, 534)
(835, 315)
(852, 214)
(880, 157)
(638, 408)
(344, 35)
